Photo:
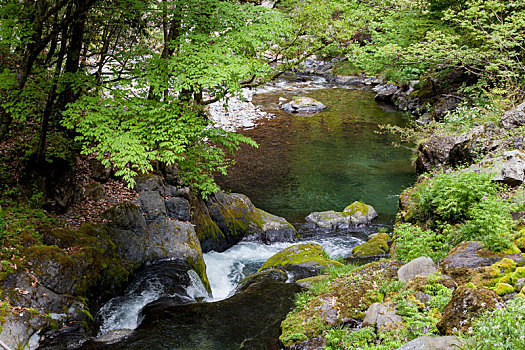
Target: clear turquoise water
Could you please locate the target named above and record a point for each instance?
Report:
(325, 161)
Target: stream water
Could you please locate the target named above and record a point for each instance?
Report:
(304, 164)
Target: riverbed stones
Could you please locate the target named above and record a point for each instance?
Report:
(433, 343)
(302, 105)
(423, 266)
(355, 214)
(239, 113)
(301, 260)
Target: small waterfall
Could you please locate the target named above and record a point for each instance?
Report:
(225, 270)
(160, 279)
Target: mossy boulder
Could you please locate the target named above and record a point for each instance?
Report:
(471, 261)
(301, 260)
(310, 281)
(377, 245)
(361, 213)
(407, 208)
(225, 219)
(350, 297)
(466, 304)
(355, 214)
(503, 289)
(62, 283)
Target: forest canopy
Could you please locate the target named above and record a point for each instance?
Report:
(128, 80)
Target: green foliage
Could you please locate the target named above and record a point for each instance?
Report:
(343, 338)
(472, 199)
(457, 206)
(440, 295)
(502, 328)
(412, 242)
(301, 299)
(449, 196)
(338, 271)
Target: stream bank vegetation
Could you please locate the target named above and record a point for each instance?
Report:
(471, 53)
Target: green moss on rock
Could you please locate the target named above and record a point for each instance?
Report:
(504, 288)
(374, 246)
(350, 296)
(356, 207)
(306, 253)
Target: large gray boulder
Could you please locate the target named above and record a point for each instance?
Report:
(434, 153)
(153, 235)
(514, 118)
(355, 214)
(508, 168)
(384, 93)
(463, 149)
(433, 343)
(303, 105)
(382, 316)
(422, 266)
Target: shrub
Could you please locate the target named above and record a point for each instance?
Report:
(449, 196)
(465, 205)
(412, 242)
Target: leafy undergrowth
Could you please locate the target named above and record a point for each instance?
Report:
(502, 328)
(451, 207)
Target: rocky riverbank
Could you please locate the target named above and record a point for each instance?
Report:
(456, 253)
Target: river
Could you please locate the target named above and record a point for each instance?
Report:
(304, 163)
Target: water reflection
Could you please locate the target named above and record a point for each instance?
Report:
(323, 161)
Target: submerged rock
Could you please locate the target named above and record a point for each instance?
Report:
(303, 105)
(355, 214)
(113, 336)
(301, 260)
